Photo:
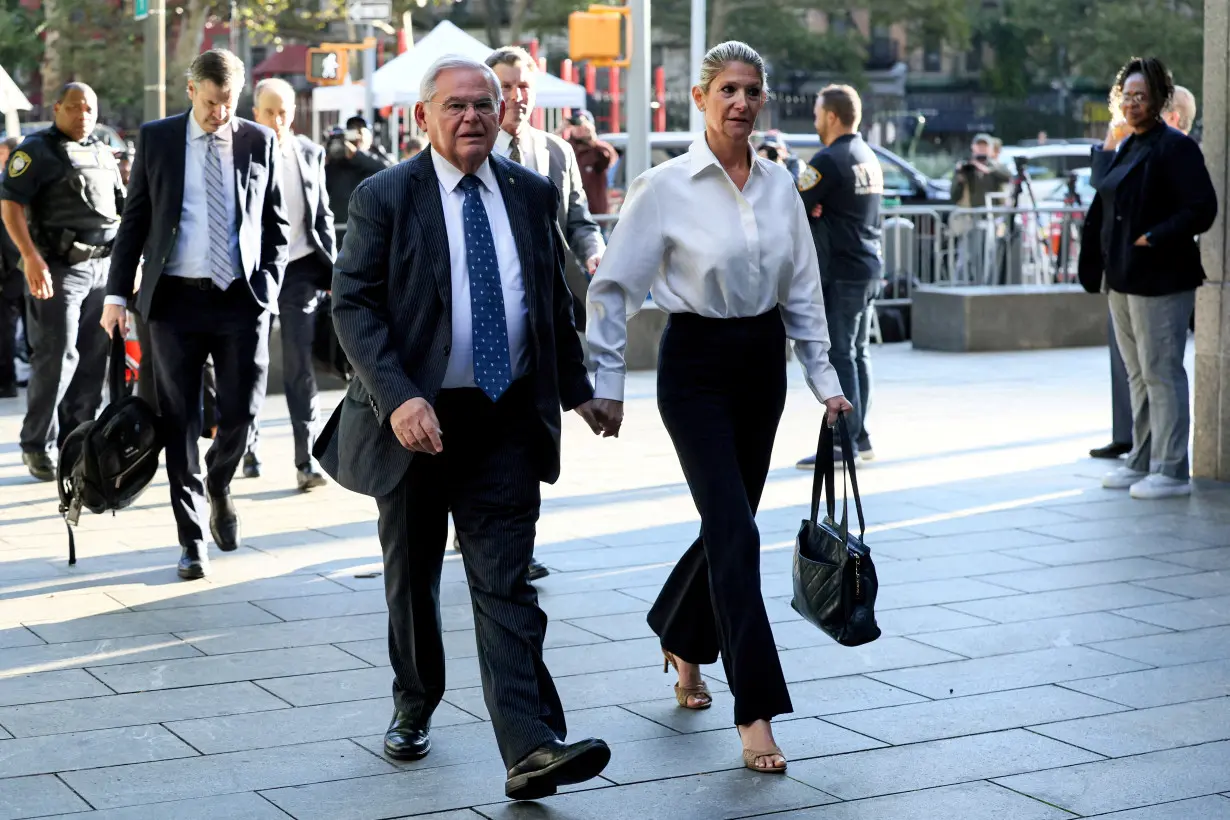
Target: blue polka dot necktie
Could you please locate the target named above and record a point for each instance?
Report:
(492, 364)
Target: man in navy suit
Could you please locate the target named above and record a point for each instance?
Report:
(450, 301)
(205, 210)
(309, 270)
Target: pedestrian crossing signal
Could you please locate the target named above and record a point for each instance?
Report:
(594, 35)
(326, 66)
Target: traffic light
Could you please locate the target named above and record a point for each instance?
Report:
(594, 35)
(327, 66)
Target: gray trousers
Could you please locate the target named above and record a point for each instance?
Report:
(1152, 335)
(1120, 394)
(297, 303)
(68, 359)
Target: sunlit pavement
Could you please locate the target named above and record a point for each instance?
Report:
(1051, 649)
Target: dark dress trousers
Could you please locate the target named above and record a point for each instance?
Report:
(188, 324)
(298, 301)
(1120, 397)
(392, 308)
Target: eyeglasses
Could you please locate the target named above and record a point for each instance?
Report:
(458, 108)
(1136, 98)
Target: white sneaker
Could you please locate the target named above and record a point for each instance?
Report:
(1160, 486)
(1122, 478)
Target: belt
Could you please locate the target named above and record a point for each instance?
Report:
(193, 283)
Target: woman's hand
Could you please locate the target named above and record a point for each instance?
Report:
(1142, 242)
(836, 406)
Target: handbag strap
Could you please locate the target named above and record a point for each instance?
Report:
(847, 465)
(825, 480)
(116, 363)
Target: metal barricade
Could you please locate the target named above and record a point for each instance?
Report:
(992, 245)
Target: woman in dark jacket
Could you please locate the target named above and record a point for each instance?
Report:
(1141, 230)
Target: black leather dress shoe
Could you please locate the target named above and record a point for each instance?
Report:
(251, 466)
(193, 563)
(406, 740)
(1111, 451)
(537, 570)
(40, 466)
(224, 522)
(556, 764)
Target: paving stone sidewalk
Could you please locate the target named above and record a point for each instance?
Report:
(1051, 649)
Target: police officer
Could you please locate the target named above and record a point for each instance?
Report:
(841, 188)
(61, 201)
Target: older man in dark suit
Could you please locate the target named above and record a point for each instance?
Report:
(310, 270)
(205, 210)
(450, 302)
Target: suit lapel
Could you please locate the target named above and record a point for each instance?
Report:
(310, 195)
(542, 157)
(1125, 166)
(176, 163)
(429, 210)
(242, 157)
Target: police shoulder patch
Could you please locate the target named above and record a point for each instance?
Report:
(19, 163)
(809, 178)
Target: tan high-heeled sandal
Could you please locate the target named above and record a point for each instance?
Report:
(685, 694)
(751, 755)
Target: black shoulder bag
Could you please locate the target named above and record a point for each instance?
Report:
(107, 463)
(835, 582)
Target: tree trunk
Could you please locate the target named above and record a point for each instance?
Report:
(492, 9)
(188, 40)
(516, 19)
(719, 11)
(52, 68)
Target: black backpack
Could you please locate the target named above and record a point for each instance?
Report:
(107, 463)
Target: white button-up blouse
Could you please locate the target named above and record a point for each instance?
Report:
(690, 237)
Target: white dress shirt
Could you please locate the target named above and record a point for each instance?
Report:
(296, 201)
(190, 256)
(460, 371)
(503, 147)
(690, 237)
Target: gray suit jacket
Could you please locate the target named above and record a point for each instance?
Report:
(392, 309)
(583, 234)
(319, 215)
(150, 224)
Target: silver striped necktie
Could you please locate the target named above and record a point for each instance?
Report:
(220, 268)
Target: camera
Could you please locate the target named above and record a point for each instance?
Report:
(335, 145)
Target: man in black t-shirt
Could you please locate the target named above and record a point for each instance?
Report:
(841, 188)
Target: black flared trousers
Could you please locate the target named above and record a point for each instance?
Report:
(721, 390)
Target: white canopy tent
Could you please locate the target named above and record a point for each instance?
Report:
(397, 81)
(12, 100)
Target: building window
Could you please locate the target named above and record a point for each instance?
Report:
(973, 57)
(933, 54)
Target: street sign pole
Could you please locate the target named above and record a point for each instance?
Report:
(369, 69)
(155, 58)
(696, 119)
(637, 152)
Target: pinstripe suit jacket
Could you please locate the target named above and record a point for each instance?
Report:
(392, 309)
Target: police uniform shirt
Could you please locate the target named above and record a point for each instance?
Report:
(703, 246)
(38, 163)
(847, 183)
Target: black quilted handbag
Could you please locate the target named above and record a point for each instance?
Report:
(834, 579)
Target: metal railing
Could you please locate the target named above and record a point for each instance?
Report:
(943, 245)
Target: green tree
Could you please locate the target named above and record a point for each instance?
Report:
(1039, 41)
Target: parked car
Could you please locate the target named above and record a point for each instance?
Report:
(1048, 165)
(902, 181)
(103, 132)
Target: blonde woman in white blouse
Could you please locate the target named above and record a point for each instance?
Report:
(720, 238)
